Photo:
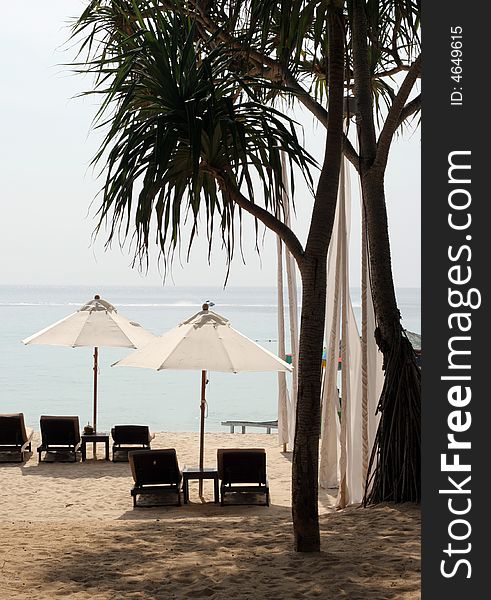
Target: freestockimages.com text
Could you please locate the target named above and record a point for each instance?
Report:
(462, 300)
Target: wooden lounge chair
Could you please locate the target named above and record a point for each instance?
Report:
(59, 434)
(155, 472)
(126, 437)
(15, 438)
(242, 471)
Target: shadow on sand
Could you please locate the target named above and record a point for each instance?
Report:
(241, 552)
(89, 469)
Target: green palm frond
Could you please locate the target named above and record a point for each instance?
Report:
(177, 118)
(291, 32)
(394, 32)
(294, 33)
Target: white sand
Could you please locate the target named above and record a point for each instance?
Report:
(70, 530)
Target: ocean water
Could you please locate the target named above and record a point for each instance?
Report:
(39, 380)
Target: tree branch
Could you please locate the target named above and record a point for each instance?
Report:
(327, 189)
(321, 114)
(350, 153)
(363, 86)
(275, 72)
(285, 233)
(390, 72)
(410, 108)
(393, 118)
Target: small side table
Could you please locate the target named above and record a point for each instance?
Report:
(200, 474)
(88, 438)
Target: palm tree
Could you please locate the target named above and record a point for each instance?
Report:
(270, 50)
(189, 133)
(286, 42)
(396, 458)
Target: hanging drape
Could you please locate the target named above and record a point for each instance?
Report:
(284, 408)
(349, 424)
(330, 449)
(287, 402)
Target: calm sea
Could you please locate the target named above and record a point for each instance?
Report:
(39, 380)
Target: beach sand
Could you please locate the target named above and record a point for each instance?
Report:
(70, 530)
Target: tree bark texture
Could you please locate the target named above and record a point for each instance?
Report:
(395, 463)
(383, 292)
(305, 471)
(394, 466)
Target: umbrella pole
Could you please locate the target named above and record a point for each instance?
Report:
(94, 418)
(202, 430)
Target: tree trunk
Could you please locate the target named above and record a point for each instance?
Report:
(395, 463)
(305, 473)
(383, 293)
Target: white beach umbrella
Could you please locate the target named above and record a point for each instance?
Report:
(96, 324)
(204, 342)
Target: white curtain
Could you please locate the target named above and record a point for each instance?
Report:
(287, 403)
(330, 430)
(284, 408)
(372, 359)
(347, 440)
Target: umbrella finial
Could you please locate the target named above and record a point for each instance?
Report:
(205, 306)
(97, 297)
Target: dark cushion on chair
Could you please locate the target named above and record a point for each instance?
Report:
(152, 467)
(131, 434)
(242, 465)
(13, 430)
(59, 430)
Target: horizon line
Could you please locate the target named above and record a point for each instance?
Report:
(168, 285)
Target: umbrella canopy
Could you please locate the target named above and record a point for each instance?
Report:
(204, 342)
(96, 324)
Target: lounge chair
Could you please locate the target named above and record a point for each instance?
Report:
(126, 437)
(155, 472)
(15, 438)
(242, 471)
(59, 435)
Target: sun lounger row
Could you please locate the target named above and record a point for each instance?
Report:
(241, 472)
(61, 434)
(156, 472)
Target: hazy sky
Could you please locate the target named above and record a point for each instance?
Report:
(47, 186)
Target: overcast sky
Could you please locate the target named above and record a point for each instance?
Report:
(47, 186)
